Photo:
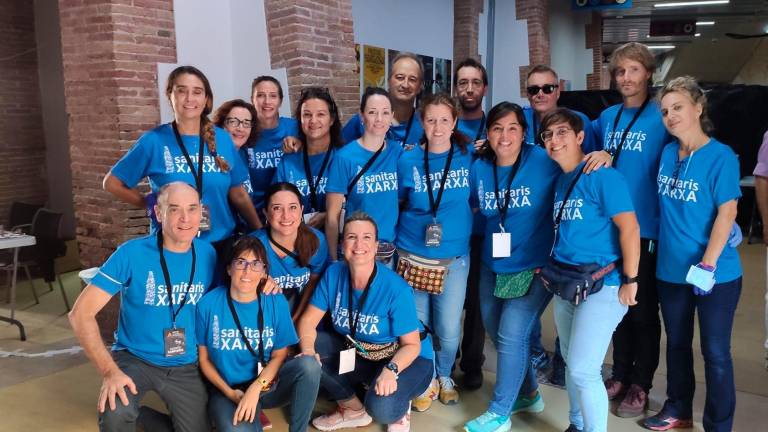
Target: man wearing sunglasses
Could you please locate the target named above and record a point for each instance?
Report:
(543, 89)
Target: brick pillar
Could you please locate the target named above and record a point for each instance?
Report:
(110, 51)
(535, 13)
(22, 144)
(313, 41)
(594, 41)
(466, 27)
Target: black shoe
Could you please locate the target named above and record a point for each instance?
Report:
(572, 428)
(557, 377)
(473, 380)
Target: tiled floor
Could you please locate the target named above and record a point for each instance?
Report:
(46, 383)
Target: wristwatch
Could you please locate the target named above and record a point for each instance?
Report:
(393, 367)
(628, 280)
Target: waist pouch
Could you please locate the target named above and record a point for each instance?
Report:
(513, 285)
(423, 274)
(385, 252)
(377, 352)
(573, 282)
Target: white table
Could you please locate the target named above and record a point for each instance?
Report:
(9, 240)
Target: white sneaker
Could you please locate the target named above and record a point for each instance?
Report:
(402, 425)
(342, 418)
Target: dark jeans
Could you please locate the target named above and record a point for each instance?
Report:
(384, 409)
(637, 338)
(473, 340)
(297, 385)
(715, 311)
(180, 387)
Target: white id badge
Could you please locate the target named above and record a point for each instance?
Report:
(702, 279)
(502, 245)
(346, 361)
(308, 217)
(259, 368)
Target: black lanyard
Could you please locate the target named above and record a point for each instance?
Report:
(365, 167)
(617, 151)
(435, 204)
(480, 128)
(285, 250)
(354, 318)
(199, 175)
(408, 128)
(259, 321)
(503, 204)
(167, 276)
(308, 173)
(534, 127)
(565, 201)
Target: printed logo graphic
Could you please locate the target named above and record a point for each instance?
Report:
(149, 296)
(168, 160)
(677, 188)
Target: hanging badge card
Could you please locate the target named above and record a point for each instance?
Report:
(434, 235)
(502, 245)
(346, 361)
(259, 368)
(308, 217)
(205, 220)
(175, 342)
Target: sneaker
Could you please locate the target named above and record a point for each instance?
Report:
(572, 428)
(634, 403)
(473, 379)
(557, 377)
(424, 401)
(540, 360)
(448, 393)
(615, 388)
(489, 422)
(525, 404)
(662, 421)
(266, 423)
(402, 425)
(342, 418)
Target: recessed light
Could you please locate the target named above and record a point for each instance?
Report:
(691, 3)
(697, 34)
(705, 23)
(660, 47)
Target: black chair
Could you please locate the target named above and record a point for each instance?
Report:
(19, 219)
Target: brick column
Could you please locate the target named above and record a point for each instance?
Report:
(535, 13)
(110, 51)
(313, 41)
(594, 41)
(466, 28)
(22, 144)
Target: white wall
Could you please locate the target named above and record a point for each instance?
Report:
(231, 52)
(510, 52)
(567, 41)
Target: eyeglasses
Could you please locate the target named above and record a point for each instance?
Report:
(243, 264)
(235, 122)
(547, 135)
(464, 83)
(546, 88)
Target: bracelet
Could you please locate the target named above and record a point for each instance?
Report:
(706, 266)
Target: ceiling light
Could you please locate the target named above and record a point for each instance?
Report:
(697, 34)
(690, 3)
(660, 46)
(705, 23)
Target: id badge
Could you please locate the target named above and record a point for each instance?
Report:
(259, 368)
(346, 361)
(433, 235)
(175, 342)
(205, 219)
(502, 245)
(700, 278)
(309, 216)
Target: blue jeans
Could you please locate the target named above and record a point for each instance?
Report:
(715, 312)
(509, 324)
(412, 382)
(441, 312)
(297, 386)
(585, 333)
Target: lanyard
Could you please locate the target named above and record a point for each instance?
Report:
(365, 167)
(535, 127)
(199, 175)
(562, 207)
(480, 128)
(259, 320)
(167, 276)
(503, 201)
(435, 204)
(355, 317)
(285, 250)
(408, 128)
(308, 173)
(618, 149)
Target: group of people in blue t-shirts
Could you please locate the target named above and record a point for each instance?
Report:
(291, 258)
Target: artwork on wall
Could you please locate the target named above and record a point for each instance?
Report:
(374, 73)
(374, 64)
(443, 78)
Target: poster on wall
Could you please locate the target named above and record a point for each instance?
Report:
(429, 74)
(442, 76)
(373, 66)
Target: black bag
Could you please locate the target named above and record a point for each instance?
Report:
(573, 282)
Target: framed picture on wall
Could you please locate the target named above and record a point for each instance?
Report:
(443, 77)
(374, 73)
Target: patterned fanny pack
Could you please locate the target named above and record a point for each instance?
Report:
(423, 274)
(377, 352)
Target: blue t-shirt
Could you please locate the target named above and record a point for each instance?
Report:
(591, 139)
(291, 170)
(690, 192)
(264, 157)
(135, 272)
(354, 129)
(216, 330)
(527, 219)
(156, 155)
(376, 191)
(389, 311)
(470, 128)
(587, 234)
(454, 213)
(286, 272)
(639, 158)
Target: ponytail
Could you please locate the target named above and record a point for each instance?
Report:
(209, 134)
(306, 244)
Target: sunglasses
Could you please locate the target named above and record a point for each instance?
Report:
(546, 88)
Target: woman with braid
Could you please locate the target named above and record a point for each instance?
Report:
(189, 149)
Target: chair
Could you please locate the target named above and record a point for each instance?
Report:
(19, 218)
